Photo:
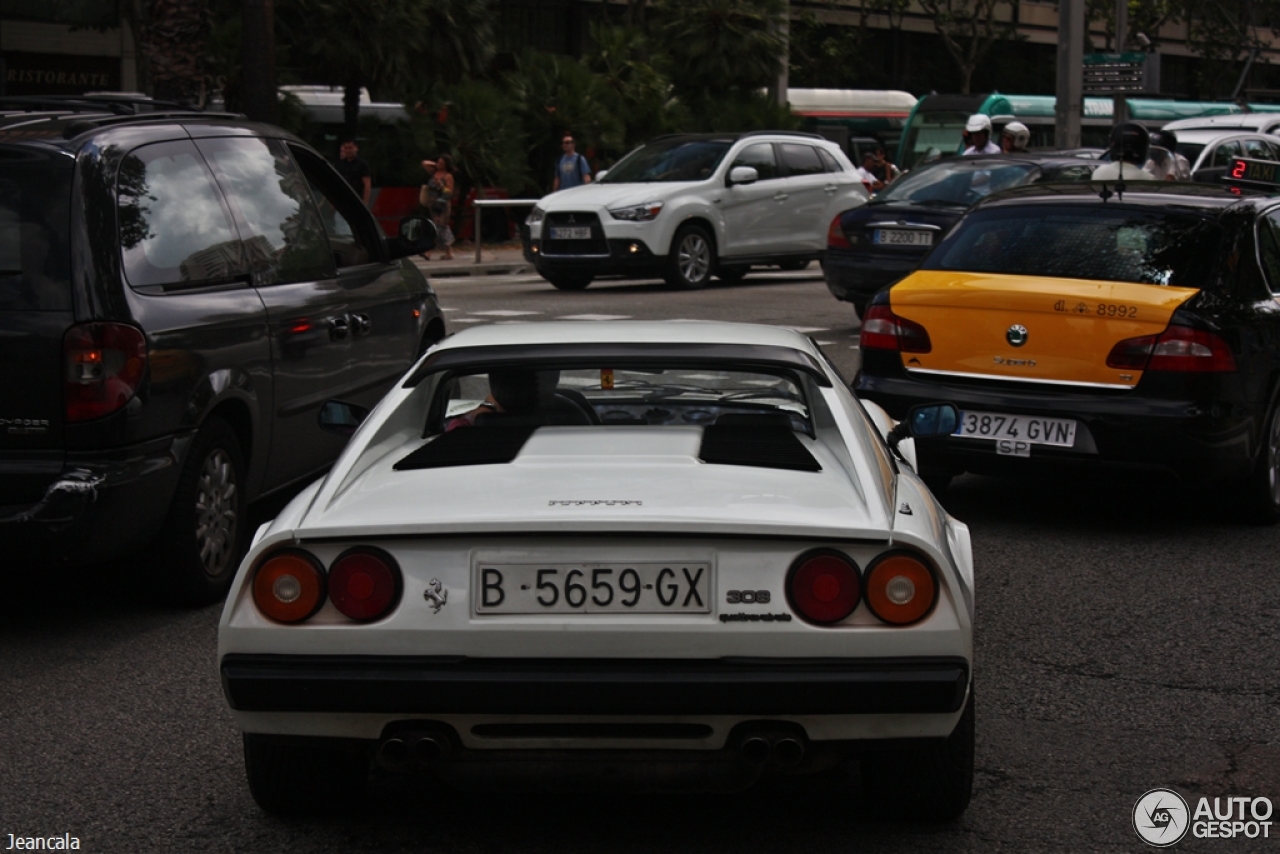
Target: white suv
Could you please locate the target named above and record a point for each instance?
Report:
(690, 206)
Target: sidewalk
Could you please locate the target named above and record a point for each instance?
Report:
(495, 259)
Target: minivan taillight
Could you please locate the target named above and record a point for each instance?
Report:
(884, 330)
(1178, 348)
(103, 365)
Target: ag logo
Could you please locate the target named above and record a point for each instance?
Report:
(1161, 818)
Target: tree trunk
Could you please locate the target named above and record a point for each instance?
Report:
(351, 108)
(259, 60)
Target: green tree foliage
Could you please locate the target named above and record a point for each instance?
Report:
(640, 85)
(969, 29)
(388, 45)
(720, 46)
(555, 94)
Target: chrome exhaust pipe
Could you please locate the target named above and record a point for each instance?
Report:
(428, 749)
(788, 752)
(755, 750)
(393, 754)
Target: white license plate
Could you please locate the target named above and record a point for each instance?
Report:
(1034, 430)
(902, 237)
(565, 232)
(592, 588)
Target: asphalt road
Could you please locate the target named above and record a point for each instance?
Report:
(1127, 639)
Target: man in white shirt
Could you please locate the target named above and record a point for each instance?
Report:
(979, 130)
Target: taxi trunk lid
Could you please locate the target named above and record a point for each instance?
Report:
(1019, 328)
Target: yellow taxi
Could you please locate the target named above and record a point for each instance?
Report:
(1095, 324)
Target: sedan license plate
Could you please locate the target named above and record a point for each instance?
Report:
(592, 588)
(1032, 430)
(565, 232)
(901, 237)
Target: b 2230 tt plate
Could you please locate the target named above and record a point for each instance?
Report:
(592, 588)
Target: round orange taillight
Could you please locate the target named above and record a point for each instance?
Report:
(289, 586)
(900, 588)
(364, 583)
(823, 586)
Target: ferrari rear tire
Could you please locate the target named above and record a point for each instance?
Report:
(1261, 492)
(933, 783)
(300, 776)
(692, 258)
(569, 281)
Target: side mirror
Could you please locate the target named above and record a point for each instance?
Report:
(417, 235)
(600, 175)
(928, 419)
(743, 175)
(340, 417)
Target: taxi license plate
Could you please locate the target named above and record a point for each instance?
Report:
(1059, 432)
(901, 237)
(564, 232)
(592, 588)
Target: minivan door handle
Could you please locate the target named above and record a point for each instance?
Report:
(780, 197)
(339, 328)
(361, 324)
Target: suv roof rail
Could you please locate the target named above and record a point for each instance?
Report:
(799, 133)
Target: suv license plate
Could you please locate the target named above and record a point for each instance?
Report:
(562, 232)
(1059, 432)
(592, 588)
(901, 237)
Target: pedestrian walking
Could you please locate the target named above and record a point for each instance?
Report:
(867, 173)
(437, 197)
(572, 169)
(354, 170)
(885, 170)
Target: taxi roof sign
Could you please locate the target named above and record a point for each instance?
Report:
(1247, 172)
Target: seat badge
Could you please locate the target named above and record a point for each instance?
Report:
(1016, 335)
(436, 595)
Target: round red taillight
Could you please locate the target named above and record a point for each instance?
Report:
(823, 586)
(901, 588)
(289, 586)
(364, 583)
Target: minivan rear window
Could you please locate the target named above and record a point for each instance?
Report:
(35, 258)
(1112, 244)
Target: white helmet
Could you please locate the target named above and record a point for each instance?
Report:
(978, 122)
(1021, 136)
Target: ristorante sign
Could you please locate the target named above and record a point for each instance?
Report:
(59, 73)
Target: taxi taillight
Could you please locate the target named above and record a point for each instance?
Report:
(900, 588)
(823, 586)
(289, 586)
(884, 330)
(364, 583)
(1178, 348)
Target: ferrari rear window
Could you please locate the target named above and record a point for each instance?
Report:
(617, 395)
(1095, 242)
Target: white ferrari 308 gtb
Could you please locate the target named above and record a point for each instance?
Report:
(669, 556)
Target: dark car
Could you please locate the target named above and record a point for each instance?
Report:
(1076, 325)
(180, 293)
(872, 246)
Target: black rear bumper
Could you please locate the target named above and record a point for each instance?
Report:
(456, 685)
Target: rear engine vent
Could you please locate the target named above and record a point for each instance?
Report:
(470, 446)
(765, 445)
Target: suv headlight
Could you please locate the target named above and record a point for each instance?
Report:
(638, 213)
(535, 216)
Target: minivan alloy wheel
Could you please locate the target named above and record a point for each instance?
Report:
(694, 257)
(216, 517)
